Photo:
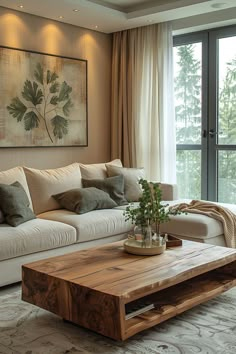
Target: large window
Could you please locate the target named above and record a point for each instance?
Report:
(188, 107)
(205, 107)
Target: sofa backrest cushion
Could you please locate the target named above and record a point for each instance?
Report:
(13, 175)
(15, 204)
(97, 170)
(45, 183)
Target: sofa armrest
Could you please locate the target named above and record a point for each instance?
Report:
(169, 191)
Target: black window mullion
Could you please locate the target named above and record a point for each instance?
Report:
(188, 147)
(212, 114)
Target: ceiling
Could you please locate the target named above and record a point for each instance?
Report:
(114, 15)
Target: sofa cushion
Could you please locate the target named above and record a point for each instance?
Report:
(44, 183)
(114, 186)
(83, 200)
(13, 175)
(192, 225)
(94, 225)
(97, 170)
(133, 190)
(14, 203)
(34, 236)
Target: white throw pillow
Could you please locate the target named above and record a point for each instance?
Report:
(45, 183)
(16, 174)
(133, 190)
(97, 170)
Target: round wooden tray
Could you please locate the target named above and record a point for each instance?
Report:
(136, 247)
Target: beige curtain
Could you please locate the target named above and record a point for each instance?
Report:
(142, 122)
(122, 78)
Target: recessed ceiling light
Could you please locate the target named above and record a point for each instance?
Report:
(96, 26)
(218, 5)
(76, 10)
(21, 6)
(61, 17)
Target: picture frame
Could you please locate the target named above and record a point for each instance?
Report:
(43, 99)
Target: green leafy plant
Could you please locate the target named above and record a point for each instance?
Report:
(151, 210)
(44, 100)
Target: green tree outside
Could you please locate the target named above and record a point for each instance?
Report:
(188, 120)
(227, 129)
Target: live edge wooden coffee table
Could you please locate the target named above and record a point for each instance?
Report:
(118, 294)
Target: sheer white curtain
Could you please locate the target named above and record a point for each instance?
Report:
(150, 117)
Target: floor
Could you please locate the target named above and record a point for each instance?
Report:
(8, 289)
(209, 328)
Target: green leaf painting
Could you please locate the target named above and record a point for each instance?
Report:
(32, 93)
(59, 126)
(31, 120)
(54, 87)
(45, 102)
(54, 100)
(38, 74)
(17, 109)
(64, 92)
(51, 77)
(66, 108)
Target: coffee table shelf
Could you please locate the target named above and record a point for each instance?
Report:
(181, 297)
(94, 288)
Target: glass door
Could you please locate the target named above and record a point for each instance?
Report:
(222, 116)
(205, 108)
(190, 81)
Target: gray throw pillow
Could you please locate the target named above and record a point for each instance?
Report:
(133, 190)
(14, 204)
(83, 200)
(114, 186)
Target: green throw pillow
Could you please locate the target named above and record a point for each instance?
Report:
(83, 200)
(114, 186)
(14, 204)
(133, 190)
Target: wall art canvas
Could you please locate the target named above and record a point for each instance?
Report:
(43, 100)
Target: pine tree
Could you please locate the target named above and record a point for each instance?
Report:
(227, 127)
(188, 99)
(188, 120)
(227, 106)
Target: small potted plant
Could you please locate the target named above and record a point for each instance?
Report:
(150, 213)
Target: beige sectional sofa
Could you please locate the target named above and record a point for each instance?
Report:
(57, 231)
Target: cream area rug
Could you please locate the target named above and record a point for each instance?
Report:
(209, 328)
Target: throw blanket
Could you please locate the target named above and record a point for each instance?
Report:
(214, 211)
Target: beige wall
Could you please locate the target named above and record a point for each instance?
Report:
(38, 34)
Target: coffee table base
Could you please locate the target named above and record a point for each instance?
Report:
(107, 312)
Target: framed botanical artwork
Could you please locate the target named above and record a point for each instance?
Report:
(43, 100)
